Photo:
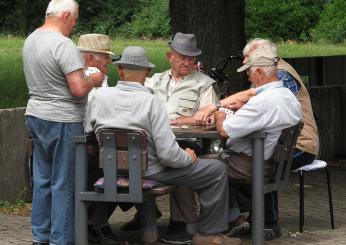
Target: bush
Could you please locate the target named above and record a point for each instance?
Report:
(332, 24)
(282, 20)
(100, 16)
(151, 20)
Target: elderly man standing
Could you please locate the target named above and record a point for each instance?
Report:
(130, 105)
(183, 90)
(95, 49)
(54, 74)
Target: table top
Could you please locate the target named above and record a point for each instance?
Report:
(190, 131)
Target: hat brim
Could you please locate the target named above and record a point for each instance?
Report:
(134, 66)
(191, 53)
(97, 51)
(243, 68)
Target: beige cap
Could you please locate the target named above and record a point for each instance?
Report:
(260, 57)
(97, 43)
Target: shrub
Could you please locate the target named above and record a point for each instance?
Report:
(282, 20)
(332, 24)
(151, 20)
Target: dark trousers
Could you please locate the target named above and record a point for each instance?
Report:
(300, 158)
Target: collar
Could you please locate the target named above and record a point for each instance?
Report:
(125, 85)
(269, 86)
(170, 74)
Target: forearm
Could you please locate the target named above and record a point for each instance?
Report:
(184, 121)
(239, 98)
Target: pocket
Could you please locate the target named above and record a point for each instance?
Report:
(187, 105)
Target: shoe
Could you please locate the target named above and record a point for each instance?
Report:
(238, 227)
(135, 223)
(102, 235)
(40, 243)
(150, 237)
(218, 239)
(176, 234)
(272, 231)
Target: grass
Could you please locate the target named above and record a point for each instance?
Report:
(13, 90)
(19, 207)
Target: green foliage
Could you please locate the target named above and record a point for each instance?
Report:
(100, 16)
(151, 20)
(19, 207)
(282, 20)
(332, 24)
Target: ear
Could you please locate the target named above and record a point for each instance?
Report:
(169, 55)
(66, 15)
(120, 72)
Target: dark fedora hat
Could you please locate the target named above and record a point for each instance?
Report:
(185, 44)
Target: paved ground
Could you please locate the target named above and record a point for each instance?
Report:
(16, 229)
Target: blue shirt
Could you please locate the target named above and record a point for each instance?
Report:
(288, 81)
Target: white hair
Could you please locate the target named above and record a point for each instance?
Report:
(58, 7)
(259, 43)
(268, 71)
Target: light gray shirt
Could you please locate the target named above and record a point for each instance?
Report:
(273, 109)
(130, 105)
(48, 56)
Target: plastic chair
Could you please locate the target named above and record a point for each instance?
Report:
(315, 165)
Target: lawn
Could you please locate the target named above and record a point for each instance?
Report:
(13, 91)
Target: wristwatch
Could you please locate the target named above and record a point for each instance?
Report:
(217, 104)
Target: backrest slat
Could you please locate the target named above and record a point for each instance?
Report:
(283, 156)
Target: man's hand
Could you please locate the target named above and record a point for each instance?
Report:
(219, 117)
(192, 154)
(96, 79)
(202, 116)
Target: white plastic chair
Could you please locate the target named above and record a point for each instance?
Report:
(315, 165)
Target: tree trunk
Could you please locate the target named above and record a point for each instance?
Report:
(219, 29)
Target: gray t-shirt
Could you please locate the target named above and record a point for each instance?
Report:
(48, 56)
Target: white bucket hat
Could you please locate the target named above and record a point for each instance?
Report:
(260, 57)
(134, 57)
(185, 44)
(96, 43)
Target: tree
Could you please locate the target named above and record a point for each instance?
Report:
(219, 29)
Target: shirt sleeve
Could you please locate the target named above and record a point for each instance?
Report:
(288, 81)
(250, 118)
(167, 148)
(207, 97)
(69, 57)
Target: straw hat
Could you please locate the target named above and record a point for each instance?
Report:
(97, 43)
(134, 57)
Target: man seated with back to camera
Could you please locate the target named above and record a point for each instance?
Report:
(183, 90)
(130, 105)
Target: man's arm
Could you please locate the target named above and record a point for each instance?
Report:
(234, 102)
(79, 86)
(220, 116)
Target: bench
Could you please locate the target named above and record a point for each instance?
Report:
(123, 156)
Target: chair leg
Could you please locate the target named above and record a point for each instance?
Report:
(301, 201)
(330, 199)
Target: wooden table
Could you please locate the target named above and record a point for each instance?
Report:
(257, 139)
(206, 132)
